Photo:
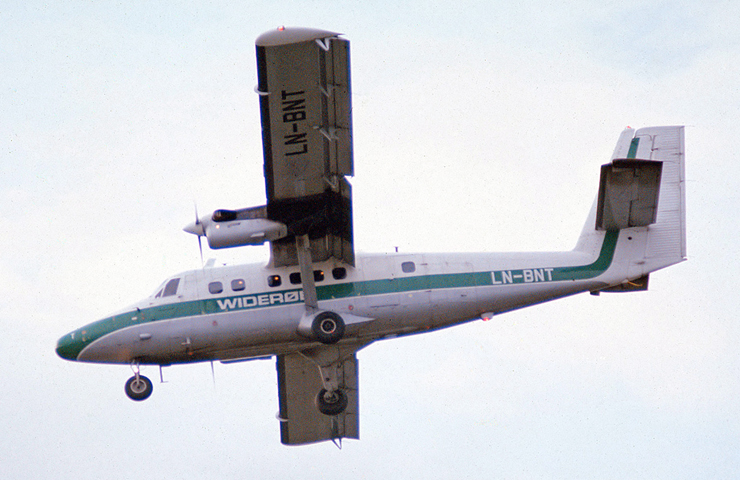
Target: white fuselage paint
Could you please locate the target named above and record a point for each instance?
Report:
(378, 299)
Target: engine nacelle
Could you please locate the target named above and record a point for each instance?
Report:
(234, 228)
(251, 231)
(324, 326)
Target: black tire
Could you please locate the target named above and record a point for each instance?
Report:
(139, 390)
(328, 327)
(335, 404)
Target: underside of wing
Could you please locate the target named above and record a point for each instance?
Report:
(305, 106)
(299, 384)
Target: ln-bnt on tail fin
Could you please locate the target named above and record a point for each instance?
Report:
(642, 197)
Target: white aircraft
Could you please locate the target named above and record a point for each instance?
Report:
(315, 304)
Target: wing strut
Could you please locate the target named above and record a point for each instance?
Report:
(303, 248)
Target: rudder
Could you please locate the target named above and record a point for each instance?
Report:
(666, 240)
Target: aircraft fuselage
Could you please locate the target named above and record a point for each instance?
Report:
(248, 311)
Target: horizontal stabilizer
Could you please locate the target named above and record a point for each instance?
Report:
(628, 194)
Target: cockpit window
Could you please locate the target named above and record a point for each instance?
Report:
(171, 287)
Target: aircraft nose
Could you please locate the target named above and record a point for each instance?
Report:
(68, 347)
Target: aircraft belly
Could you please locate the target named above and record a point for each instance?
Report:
(233, 330)
(394, 313)
(399, 314)
(161, 339)
(273, 330)
(511, 297)
(194, 338)
(219, 336)
(454, 304)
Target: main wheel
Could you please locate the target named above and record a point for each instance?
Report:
(328, 327)
(331, 403)
(139, 388)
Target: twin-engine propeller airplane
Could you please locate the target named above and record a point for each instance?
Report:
(315, 304)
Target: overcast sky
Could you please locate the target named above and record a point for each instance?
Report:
(478, 126)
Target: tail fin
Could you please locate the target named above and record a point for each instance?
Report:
(641, 194)
(666, 243)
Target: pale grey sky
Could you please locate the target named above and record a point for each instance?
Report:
(478, 126)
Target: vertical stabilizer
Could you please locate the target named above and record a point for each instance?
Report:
(641, 195)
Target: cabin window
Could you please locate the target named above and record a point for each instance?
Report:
(295, 277)
(215, 287)
(408, 267)
(274, 281)
(339, 273)
(238, 285)
(171, 287)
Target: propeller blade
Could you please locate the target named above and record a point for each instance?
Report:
(200, 247)
(198, 229)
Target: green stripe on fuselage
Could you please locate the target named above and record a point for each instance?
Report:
(72, 344)
(559, 274)
(595, 269)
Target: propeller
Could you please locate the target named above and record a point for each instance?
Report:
(197, 228)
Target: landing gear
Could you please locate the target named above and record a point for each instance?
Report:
(328, 327)
(331, 403)
(138, 387)
(332, 399)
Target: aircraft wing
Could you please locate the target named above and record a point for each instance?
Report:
(298, 386)
(305, 106)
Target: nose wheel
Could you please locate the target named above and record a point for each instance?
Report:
(138, 387)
